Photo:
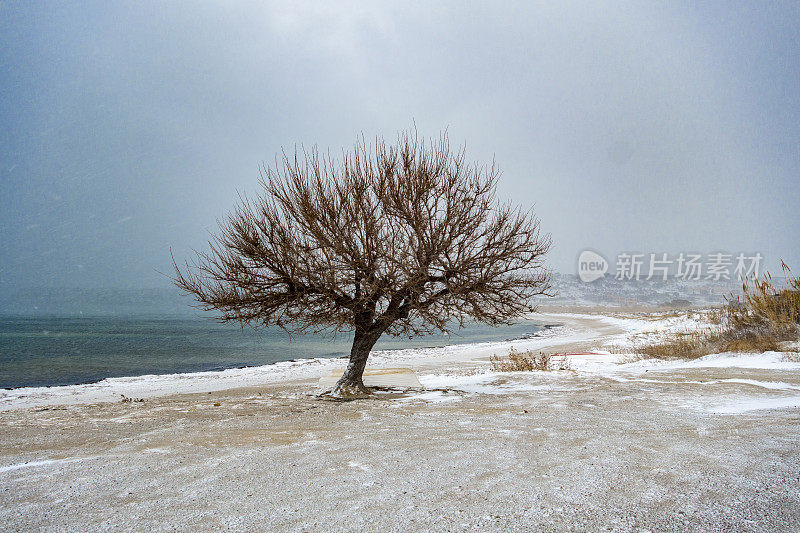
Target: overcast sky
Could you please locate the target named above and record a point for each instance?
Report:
(127, 128)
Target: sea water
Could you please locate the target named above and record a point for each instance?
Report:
(69, 349)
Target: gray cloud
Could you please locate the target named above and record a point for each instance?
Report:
(127, 129)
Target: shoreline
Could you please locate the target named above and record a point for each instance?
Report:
(556, 327)
(51, 354)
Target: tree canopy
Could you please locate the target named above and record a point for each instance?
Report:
(404, 239)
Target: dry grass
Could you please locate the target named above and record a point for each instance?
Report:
(758, 321)
(700, 343)
(764, 307)
(681, 345)
(528, 361)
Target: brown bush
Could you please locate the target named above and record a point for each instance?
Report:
(528, 361)
(680, 345)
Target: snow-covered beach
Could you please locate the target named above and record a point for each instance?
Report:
(615, 442)
(301, 370)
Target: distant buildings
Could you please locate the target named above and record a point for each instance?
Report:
(609, 291)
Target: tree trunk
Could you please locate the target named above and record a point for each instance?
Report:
(351, 384)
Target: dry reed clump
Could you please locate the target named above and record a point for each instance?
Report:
(528, 361)
(758, 321)
(765, 308)
(680, 345)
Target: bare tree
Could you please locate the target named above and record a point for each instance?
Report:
(401, 239)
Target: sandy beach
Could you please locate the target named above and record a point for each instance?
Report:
(613, 444)
(399, 266)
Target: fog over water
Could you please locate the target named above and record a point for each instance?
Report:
(127, 128)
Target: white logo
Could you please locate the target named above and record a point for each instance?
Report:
(591, 266)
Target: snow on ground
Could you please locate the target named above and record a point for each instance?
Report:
(613, 443)
(758, 361)
(150, 386)
(482, 383)
(762, 381)
(744, 405)
(653, 328)
(450, 371)
(33, 464)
